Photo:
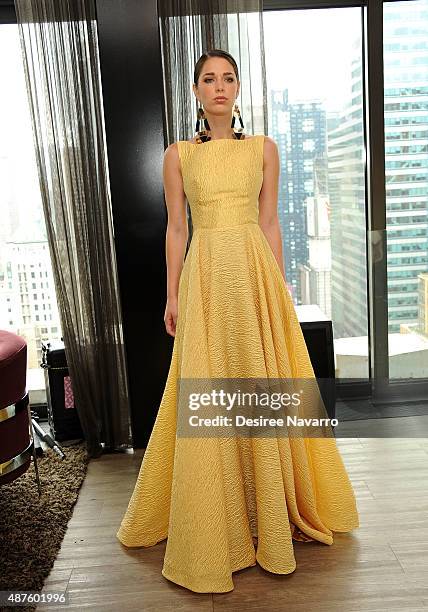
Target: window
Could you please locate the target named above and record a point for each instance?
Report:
(23, 242)
(321, 199)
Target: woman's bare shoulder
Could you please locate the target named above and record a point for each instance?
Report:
(270, 142)
(270, 148)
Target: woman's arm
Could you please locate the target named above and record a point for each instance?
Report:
(177, 231)
(268, 201)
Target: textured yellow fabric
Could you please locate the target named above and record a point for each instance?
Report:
(211, 496)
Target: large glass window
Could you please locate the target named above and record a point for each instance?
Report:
(28, 304)
(315, 88)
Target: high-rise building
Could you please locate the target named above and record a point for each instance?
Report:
(315, 281)
(27, 291)
(346, 188)
(406, 157)
(299, 130)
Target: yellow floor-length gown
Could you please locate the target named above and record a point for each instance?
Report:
(211, 496)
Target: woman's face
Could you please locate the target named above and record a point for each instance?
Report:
(217, 78)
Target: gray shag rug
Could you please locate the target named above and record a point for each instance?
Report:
(32, 527)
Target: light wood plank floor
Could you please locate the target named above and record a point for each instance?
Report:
(381, 566)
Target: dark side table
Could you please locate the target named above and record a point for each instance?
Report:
(318, 333)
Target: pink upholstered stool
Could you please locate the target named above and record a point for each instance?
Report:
(16, 436)
(13, 368)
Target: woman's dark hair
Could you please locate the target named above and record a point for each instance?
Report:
(213, 53)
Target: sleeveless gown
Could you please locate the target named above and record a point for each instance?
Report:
(226, 503)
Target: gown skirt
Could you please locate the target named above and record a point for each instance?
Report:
(227, 503)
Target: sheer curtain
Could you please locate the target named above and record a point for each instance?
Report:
(60, 55)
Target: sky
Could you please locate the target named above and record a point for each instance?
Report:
(17, 158)
(310, 51)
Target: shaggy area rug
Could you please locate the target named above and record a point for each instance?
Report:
(32, 528)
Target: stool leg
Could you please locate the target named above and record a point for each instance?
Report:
(36, 467)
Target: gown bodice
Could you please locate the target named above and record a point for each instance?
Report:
(222, 180)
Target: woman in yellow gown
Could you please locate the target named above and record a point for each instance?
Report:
(226, 503)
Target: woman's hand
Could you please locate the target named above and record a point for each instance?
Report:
(171, 314)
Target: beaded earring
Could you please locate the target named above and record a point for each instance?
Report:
(203, 129)
(203, 135)
(237, 112)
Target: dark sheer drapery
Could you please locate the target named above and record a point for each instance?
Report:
(60, 55)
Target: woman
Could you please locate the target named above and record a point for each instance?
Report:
(225, 503)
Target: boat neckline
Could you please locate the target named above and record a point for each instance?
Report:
(197, 144)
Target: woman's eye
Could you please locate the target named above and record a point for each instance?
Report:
(230, 79)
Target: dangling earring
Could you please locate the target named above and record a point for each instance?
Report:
(238, 133)
(204, 134)
(204, 131)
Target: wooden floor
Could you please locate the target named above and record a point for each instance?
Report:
(383, 565)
